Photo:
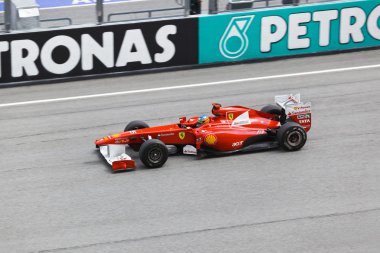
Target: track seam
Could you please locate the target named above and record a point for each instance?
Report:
(212, 229)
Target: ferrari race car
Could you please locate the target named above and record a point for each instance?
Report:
(230, 130)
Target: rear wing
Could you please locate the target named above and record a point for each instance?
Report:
(296, 110)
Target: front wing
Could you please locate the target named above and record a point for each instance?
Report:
(115, 155)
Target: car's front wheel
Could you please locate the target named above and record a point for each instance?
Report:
(153, 153)
(291, 136)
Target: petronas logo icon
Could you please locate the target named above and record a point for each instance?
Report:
(234, 42)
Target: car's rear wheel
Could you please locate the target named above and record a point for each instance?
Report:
(276, 110)
(291, 136)
(272, 109)
(135, 125)
(153, 153)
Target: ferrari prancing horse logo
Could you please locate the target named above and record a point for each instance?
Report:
(230, 116)
(182, 135)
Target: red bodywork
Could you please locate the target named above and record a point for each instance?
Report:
(229, 130)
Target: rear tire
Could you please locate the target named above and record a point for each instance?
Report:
(135, 125)
(153, 153)
(291, 136)
(272, 109)
(276, 110)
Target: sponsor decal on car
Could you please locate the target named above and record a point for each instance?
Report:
(242, 119)
(304, 121)
(241, 122)
(260, 132)
(189, 150)
(211, 139)
(237, 144)
(166, 134)
(121, 141)
(299, 109)
(230, 116)
(303, 116)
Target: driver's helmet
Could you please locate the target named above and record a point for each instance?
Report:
(203, 120)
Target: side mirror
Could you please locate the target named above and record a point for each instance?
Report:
(182, 120)
(216, 106)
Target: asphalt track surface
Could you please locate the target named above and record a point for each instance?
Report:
(58, 195)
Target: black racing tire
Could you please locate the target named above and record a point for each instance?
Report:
(153, 153)
(291, 136)
(135, 125)
(272, 109)
(276, 110)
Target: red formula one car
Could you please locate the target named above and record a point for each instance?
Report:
(230, 130)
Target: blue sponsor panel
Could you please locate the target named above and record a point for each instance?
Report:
(66, 3)
(288, 31)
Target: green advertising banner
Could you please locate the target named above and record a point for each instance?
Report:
(289, 31)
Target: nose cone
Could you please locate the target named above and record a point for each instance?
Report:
(100, 142)
(110, 139)
(105, 141)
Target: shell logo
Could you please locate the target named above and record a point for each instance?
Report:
(211, 139)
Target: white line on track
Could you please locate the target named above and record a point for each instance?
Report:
(186, 86)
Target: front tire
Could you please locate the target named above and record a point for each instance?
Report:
(153, 153)
(291, 136)
(135, 125)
